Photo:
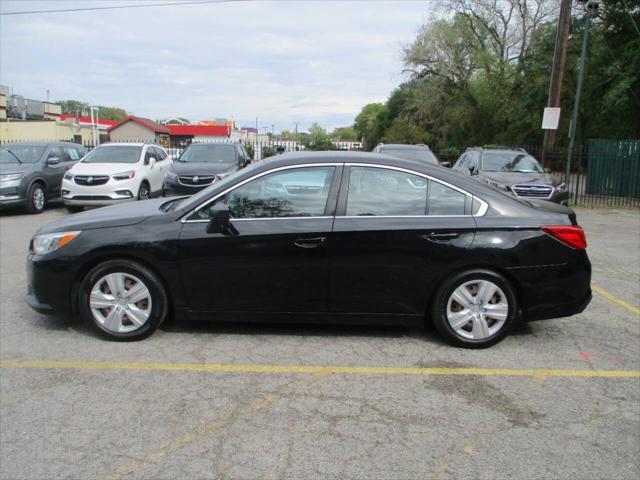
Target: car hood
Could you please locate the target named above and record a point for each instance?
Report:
(6, 168)
(517, 178)
(129, 213)
(202, 168)
(82, 168)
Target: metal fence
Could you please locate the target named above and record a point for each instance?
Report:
(604, 173)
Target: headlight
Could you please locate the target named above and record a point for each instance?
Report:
(124, 175)
(11, 177)
(68, 176)
(52, 241)
(562, 187)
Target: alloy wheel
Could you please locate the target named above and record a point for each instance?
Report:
(144, 192)
(120, 302)
(477, 309)
(38, 198)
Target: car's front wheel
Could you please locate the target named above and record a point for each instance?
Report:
(123, 300)
(474, 309)
(36, 199)
(144, 193)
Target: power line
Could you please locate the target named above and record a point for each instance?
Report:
(114, 7)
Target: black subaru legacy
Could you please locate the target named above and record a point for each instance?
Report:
(323, 237)
(202, 164)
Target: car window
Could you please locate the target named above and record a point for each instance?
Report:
(445, 200)
(56, 152)
(114, 154)
(72, 154)
(299, 192)
(160, 153)
(381, 191)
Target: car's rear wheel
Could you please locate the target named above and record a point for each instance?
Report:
(474, 309)
(36, 199)
(144, 193)
(123, 300)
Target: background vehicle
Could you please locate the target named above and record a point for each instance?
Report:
(31, 172)
(420, 153)
(513, 171)
(328, 236)
(115, 172)
(202, 164)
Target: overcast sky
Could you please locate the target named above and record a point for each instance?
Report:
(280, 61)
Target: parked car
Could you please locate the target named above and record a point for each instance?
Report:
(420, 153)
(31, 172)
(115, 172)
(513, 171)
(202, 164)
(325, 236)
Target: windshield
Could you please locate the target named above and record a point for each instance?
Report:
(21, 153)
(114, 154)
(209, 154)
(510, 162)
(421, 155)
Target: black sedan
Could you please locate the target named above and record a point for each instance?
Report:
(330, 236)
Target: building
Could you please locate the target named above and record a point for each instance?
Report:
(19, 108)
(182, 135)
(49, 130)
(138, 129)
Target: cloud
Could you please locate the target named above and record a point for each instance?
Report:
(284, 62)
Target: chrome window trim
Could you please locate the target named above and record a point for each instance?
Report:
(484, 206)
(261, 174)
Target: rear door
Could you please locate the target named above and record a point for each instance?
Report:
(53, 172)
(277, 261)
(395, 234)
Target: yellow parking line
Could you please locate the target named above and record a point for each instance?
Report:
(615, 299)
(274, 369)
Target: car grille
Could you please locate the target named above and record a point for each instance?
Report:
(532, 191)
(91, 180)
(196, 180)
(91, 197)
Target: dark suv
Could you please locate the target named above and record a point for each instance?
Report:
(31, 172)
(513, 171)
(202, 164)
(419, 153)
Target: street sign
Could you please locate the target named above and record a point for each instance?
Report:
(551, 118)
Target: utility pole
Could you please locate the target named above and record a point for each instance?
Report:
(557, 72)
(296, 138)
(591, 7)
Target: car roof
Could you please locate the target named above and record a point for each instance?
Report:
(498, 150)
(404, 146)
(42, 143)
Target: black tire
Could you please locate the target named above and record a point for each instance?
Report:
(36, 206)
(144, 192)
(74, 208)
(159, 299)
(441, 300)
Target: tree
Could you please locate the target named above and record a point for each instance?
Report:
(317, 139)
(370, 124)
(344, 133)
(73, 107)
(112, 113)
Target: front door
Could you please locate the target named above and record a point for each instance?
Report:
(277, 259)
(394, 234)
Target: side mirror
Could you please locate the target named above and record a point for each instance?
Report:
(221, 221)
(446, 164)
(53, 161)
(152, 161)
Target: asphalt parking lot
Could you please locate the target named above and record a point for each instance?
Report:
(556, 399)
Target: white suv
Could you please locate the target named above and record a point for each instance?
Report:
(115, 172)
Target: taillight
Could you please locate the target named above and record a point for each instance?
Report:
(568, 234)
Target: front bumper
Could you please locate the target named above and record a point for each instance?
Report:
(171, 189)
(110, 193)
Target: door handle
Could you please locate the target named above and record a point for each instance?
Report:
(310, 242)
(442, 237)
